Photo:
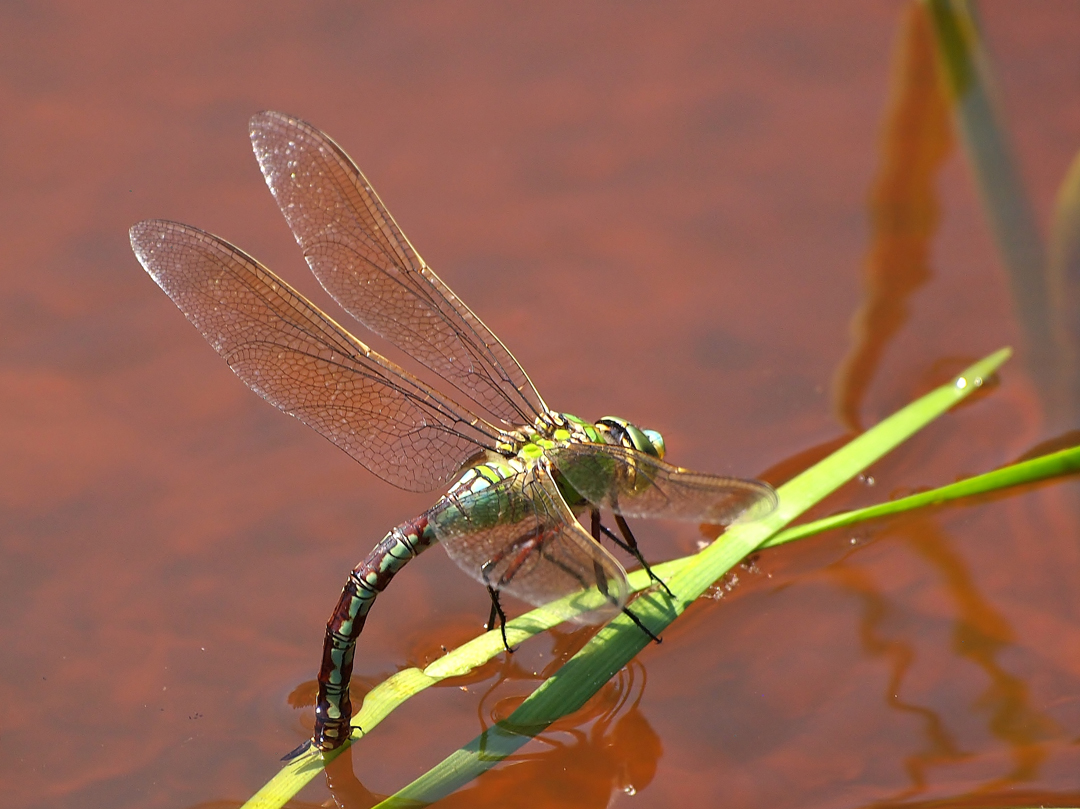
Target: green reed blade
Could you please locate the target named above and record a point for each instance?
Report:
(1064, 462)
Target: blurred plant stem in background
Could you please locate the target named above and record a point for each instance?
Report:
(941, 64)
(1042, 296)
(1064, 280)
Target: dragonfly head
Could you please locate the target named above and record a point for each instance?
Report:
(631, 436)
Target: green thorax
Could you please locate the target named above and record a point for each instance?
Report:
(524, 446)
(547, 432)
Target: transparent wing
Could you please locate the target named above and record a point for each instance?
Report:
(297, 358)
(520, 537)
(364, 261)
(634, 484)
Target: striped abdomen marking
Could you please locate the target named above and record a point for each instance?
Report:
(333, 712)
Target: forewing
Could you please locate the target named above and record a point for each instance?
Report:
(297, 358)
(520, 537)
(364, 261)
(634, 484)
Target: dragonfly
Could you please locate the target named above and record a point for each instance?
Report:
(518, 476)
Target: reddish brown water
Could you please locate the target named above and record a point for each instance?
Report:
(669, 213)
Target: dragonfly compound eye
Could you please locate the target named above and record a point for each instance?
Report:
(657, 441)
(628, 435)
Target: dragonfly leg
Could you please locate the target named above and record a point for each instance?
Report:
(490, 625)
(333, 711)
(533, 542)
(599, 576)
(525, 546)
(641, 626)
(601, 585)
(497, 610)
(522, 547)
(629, 545)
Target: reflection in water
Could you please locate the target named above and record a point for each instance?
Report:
(1068, 439)
(940, 747)
(345, 787)
(980, 634)
(618, 753)
(903, 208)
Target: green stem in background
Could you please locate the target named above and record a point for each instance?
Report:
(1063, 277)
(967, 71)
(1046, 294)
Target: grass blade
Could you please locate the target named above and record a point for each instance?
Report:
(1065, 462)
